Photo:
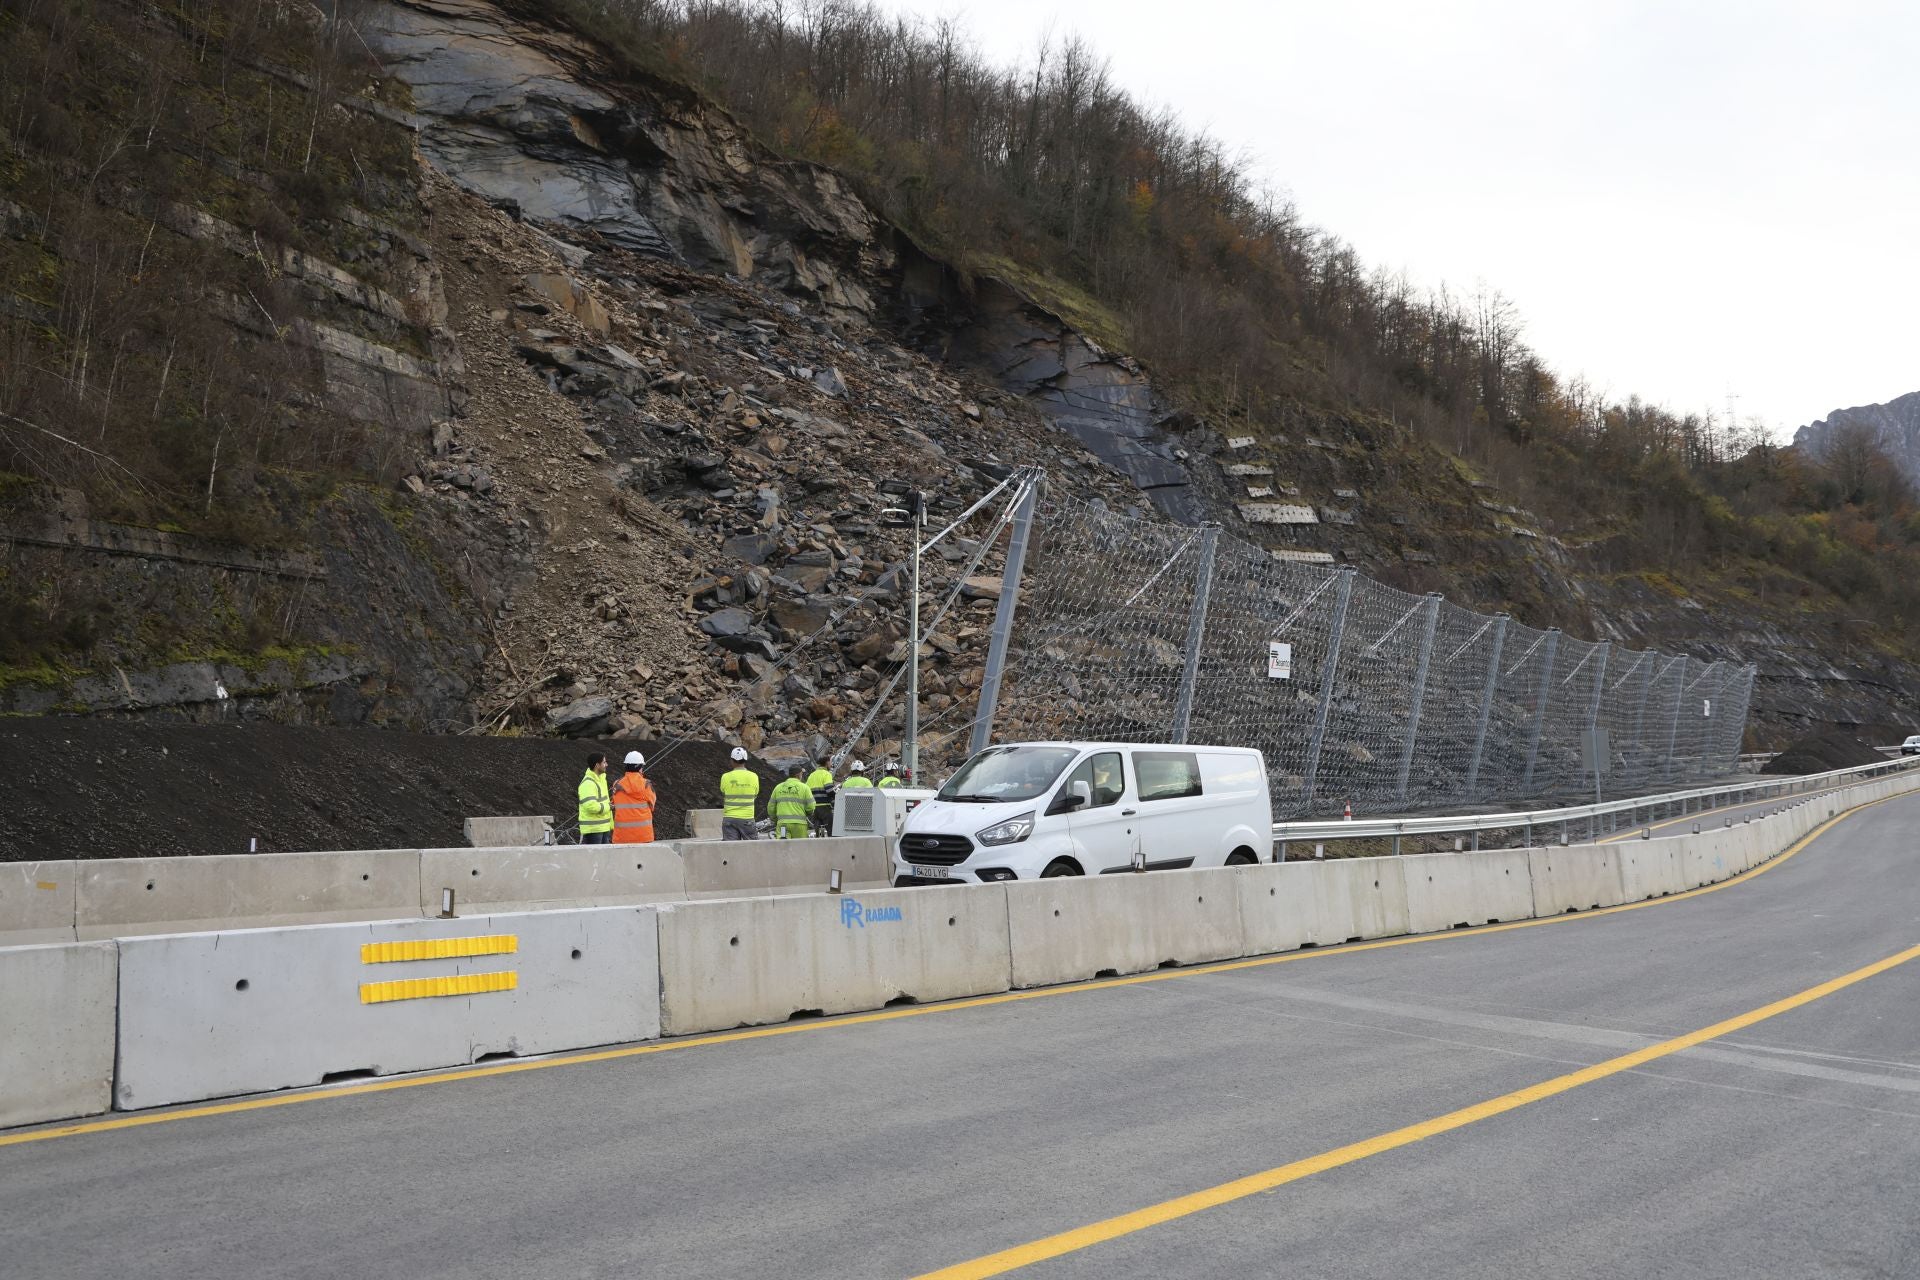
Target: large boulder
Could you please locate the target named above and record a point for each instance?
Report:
(583, 717)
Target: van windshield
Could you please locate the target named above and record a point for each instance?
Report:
(1007, 773)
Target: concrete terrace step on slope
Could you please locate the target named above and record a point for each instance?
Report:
(141, 1022)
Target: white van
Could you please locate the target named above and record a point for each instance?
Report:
(1032, 810)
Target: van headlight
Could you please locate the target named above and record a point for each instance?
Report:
(1012, 831)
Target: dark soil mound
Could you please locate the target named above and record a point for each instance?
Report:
(84, 788)
(1822, 752)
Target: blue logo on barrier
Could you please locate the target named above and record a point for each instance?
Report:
(852, 913)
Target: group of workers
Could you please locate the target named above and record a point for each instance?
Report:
(791, 804)
(621, 812)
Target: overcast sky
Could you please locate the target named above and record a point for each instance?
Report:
(1685, 200)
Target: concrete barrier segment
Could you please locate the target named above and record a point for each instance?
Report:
(1073, 928)
(123, 897)
(1350, 898)
(730, 868)
(37, 902)
(1651, 868)
(550, 877)
(508, 832)
(1447, 890)
(751, 961)
(1575, 878)
(207, 1015)
(56, 1031)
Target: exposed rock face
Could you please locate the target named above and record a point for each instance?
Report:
(1102, 400)
(511, 111)
(1895, 425)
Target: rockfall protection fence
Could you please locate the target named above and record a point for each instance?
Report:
(1127, 629)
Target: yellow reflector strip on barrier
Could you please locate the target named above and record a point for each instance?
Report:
(466, 984)
(438, 948)
(45, 884)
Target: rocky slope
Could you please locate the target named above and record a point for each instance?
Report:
(645, 389)
(1895, 428)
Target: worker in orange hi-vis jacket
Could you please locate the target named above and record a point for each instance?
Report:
(633, 801)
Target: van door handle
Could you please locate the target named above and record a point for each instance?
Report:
(1128, 813)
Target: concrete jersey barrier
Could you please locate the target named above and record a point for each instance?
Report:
(206, 1015)
(56, 1031)
(742, 961)
(89, 900)
(1071, 929)
(203, 1015)
(729, 868)
(37, 902)
(549, 877)
(118, 897)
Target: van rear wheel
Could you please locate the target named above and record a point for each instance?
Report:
(1241, 858)
(1059, 867)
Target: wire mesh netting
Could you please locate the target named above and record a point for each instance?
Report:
(1358, 693)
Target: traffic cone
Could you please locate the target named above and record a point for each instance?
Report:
(1348, 815)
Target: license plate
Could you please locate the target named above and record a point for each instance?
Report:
(928, 873)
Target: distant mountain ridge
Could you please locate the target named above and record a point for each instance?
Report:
(1896, 425)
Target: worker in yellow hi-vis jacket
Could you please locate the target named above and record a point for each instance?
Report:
(739, 790)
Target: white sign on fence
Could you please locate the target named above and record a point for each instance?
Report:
(1279, 660)
(1706, 707)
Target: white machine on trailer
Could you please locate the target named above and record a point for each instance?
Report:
(1033, 810)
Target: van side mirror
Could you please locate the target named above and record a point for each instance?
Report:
(1078, 795)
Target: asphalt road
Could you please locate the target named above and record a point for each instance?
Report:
(1786, 1146)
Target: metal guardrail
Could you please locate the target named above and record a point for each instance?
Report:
(1597, 818)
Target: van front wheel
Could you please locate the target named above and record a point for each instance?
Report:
(1059, 867)
(1241, 858)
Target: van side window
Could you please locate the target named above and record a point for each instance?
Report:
(1167, 775)
(1103, 776)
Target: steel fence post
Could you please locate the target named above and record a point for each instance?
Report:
(1003, 617)
(1640, 715)
(1486, 705)
(1540, 710)
(1593, 714)
(1419, 695)
(1327, 672)
(1673, 728)
(1196, 632)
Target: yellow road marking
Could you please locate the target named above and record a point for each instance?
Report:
(1182, 1206)
(459, 984)
(438, 948)
(139, 1120)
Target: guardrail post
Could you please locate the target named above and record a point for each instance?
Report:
(1196, 632)
(1419, 695)
(1003, 618)
(1540, 710)
(1327, 672)
(1486, 705)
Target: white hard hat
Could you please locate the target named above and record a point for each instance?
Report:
(858, 766)
(634, 757)
(740, 754)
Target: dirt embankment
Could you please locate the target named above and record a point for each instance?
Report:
(81, 788)
(1824, 752)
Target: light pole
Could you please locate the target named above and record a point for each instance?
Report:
(910, 750)
(913, 516)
